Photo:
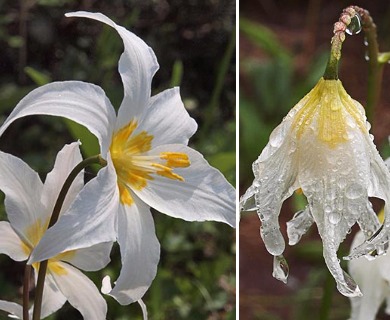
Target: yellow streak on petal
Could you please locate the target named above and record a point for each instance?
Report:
(34, 234)
(54, 267)
(329, 101)
(125, 196)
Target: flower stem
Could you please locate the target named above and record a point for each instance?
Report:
(54, 217)
(26, 291)
(376, 59)
(375, 70)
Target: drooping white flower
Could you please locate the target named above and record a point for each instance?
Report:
(29, 204)
(373, 278)
(149, 165)
(322, 147)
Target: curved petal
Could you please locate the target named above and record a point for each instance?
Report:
(81, 102)
(10, 243)
(22, 188)
(81, 293)
(12, 308)
(90, 259)
(137, 66)
(65, 162)
(167, 119)
(52, 298)
(140, 253)
(92, 214)
(204, 194)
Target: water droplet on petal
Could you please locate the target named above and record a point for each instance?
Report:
(349, 288)
(334, 217)
(354, 191)
(355, 26)
(281, 269)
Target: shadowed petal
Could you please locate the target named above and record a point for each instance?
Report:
(10, 243)
(140, 253)
(92, 214)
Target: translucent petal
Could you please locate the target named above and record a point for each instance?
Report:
(298, 225)
(281, 269)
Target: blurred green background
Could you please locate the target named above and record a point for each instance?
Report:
(284, 47)
(194, 42)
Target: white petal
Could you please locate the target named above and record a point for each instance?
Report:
(12, 308)
(204, 195)
(167, 119)
(22, 187)
(81, 293)
(92, 258)
(81, 102)
(65, 162)
(52, 298)
(90, 220)
(137, 66)
(140, 253)
(10, 243)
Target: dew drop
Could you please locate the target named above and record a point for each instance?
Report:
(354, 191)
(355, 26)
(365, 41)
(334, 217)
(366, 56)
(281, 269)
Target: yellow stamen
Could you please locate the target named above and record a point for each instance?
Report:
(133, 165)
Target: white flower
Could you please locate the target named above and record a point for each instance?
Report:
(323, 148)
(373, 277)
(149, 165)
(29, 204)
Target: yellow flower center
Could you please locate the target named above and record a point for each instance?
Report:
(133, 165)
(329, 101)
(34, 234)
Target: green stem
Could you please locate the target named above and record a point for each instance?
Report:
(26, 291)
(54, 217)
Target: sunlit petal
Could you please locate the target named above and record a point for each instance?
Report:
(137, 66)
(81, 102)
(198, 192)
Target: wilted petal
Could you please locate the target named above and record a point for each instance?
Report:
(65, 162)
(81, 102)
(93, 215)
(298, 225)
(22, 188)
(204, 194)
(81, 293)
(140, 253)
(137, 66)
